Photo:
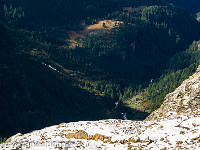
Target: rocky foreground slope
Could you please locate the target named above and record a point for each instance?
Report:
(175, 125)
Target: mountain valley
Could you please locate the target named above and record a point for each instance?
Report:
(107, 60)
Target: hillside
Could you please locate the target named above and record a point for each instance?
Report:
(191, 6)
(184, 99)
(34, 95)
(64, 61)
(175, 125)
(69, 13)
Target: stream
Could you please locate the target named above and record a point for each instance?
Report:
(124, 115)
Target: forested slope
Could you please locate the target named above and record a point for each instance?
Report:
(191, 6)
(33, 95)
(69, 13)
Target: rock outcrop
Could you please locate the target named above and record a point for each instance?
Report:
(184, 100)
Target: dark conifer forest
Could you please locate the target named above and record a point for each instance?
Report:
(67, 60)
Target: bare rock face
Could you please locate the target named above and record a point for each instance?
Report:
(185, 99)
(78, 135)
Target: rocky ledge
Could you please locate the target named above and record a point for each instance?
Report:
(185, 99)
(175, 125)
